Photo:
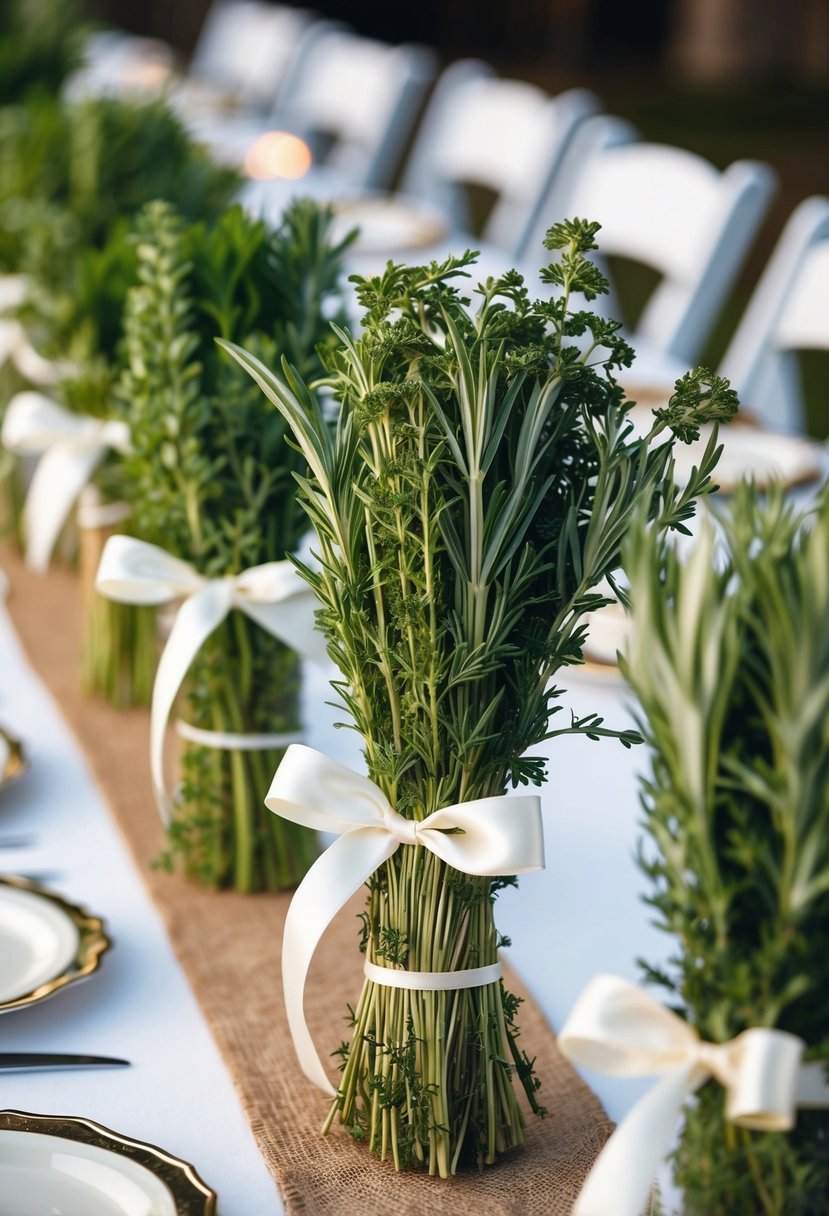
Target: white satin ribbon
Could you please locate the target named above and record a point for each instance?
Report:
(225, 740)
(14, 288)
(15, 346)
(433, 981)
(617, 1028)
(490, 836)
(95, 512)
(71, 447)
(273, 595)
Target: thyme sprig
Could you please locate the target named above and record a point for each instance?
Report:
(729, 658)
(471, 494)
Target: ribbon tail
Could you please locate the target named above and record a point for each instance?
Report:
(33, 367)
(11, 335)
(621, 1178)
(61, 474)
(329, 884)
(197, 618)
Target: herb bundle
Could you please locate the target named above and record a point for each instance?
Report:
(41, 43)
(472, 493)
(72, 178)
(211, 481)
(729, 657)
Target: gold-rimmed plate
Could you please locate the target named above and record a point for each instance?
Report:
(13, 763)
(79, 1168)
(46, 942)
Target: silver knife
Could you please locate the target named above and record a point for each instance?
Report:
(25, 1061)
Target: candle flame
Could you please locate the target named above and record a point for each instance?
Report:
(277, 154)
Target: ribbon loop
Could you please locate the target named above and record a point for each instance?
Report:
(273, 595)
(491, 836)
(618, 1029)
(71, 447)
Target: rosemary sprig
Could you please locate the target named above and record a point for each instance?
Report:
(474, 490)
(729, 657)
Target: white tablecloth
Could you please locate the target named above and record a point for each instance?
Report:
(178, 1093)
(580, 916)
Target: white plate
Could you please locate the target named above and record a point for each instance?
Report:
(38, 942)
(45, 1174)
(73, 1167)
(748, 452)
(607, 632)
(387, 223)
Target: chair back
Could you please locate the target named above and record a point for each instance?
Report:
(246, 47)
(670, 210)
(788, 312)
(355, 100)
(505, 135)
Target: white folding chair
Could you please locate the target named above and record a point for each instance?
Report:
(668, 209)
(245, 49)
(505, 135)
(788, 312)
(117, 64)
(355, 101)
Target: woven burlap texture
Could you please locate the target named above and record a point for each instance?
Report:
(229, 947)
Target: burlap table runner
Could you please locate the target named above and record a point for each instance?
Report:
(229, 947)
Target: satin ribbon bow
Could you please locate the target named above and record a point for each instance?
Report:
(15, 346)
(498, 835)
(14, 288)
(273, 595)
(71, 447)
(617, 1028)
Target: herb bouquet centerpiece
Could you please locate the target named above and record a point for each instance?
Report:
(474, 491)
(729, 657)
(73, 178)
(210, 481)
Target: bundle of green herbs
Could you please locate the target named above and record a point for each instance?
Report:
(73, 179)
(41, 44)
(473, 491)
(211, 480)
(729, 657)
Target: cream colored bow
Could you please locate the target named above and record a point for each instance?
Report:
(15, 346)
(14, 288)
(617, 1028)
(71, 447)
(134, 572)
(497, 836)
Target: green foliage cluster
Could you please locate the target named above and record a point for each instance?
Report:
(729, 658)
(473, 491)
(41, 43)
(72, 179)
(210, 474)
(210, 478)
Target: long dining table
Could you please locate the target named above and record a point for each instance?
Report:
(582, 915)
